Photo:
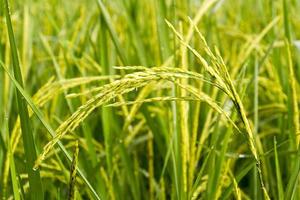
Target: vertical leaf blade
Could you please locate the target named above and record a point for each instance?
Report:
(36, 190)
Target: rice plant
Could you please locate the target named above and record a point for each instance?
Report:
(149, 99)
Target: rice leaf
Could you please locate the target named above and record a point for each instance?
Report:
(36, 189)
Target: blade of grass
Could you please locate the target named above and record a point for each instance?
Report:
(36, 189)
(293, 180)
(286, 20)
(293, 105)
(183, 118)
(255, 131)
(2, 88)
(278, 173)
(26, 41)
(177, 148)
(162, 30)
(293, 114)
(106, 112)
(13, 172)
(109, 23)
(107, 115)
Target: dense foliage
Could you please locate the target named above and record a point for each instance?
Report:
(149, 99)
